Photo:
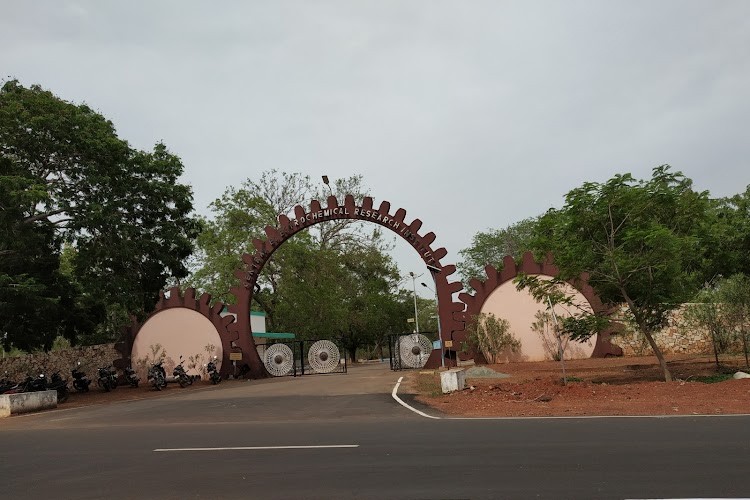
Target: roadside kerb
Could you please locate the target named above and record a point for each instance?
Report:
(24, 402)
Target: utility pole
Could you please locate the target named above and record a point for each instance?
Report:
(414, 289)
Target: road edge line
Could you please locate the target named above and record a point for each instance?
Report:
(394, 393)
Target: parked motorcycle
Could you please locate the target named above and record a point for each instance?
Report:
(181, 375)
(6, 384)
(131, 377)
(157, 375)
(80, 380)
(107, 378)
(57, 383)
(213, 372)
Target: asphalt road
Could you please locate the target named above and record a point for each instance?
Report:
(374, 448)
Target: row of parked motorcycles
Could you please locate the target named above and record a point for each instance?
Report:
(107, 380)
(157, 375)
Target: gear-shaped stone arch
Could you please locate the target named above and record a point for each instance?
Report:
(188, 300)
(450, 313)
(495, 279)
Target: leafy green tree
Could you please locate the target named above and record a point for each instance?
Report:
(637, 240)
(38, 302)
(122, 210)
(491, 246)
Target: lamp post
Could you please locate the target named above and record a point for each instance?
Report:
(440, 333)
(414, 289)
(327, 183)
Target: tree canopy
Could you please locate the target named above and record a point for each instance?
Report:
(638, 240)
(67, 178)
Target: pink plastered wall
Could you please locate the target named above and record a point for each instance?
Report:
(180, 332)
(519, 309)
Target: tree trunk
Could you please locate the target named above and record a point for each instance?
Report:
(647, 333)
(659, 355)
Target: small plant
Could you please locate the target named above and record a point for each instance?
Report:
(492, 336)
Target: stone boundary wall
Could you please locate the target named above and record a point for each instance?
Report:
(676, 338)
(64, 360)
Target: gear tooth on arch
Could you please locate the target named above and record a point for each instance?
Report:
(367, 203)
(349, 202)
(490, 272)
(385, 207)
(439, 253)
(315, 206)
(399, 215)
(428, 238)
(332, 202)
(510, 270)
(299, 212)
(284, 222)
(529, 265)
(476, 284)
(415, 225)
(448, 270)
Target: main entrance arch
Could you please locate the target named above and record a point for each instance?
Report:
(450, 313)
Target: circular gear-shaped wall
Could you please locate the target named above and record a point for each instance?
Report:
(224, 326)
(496, 279)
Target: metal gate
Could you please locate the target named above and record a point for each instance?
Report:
(303, 357)
(409, 350)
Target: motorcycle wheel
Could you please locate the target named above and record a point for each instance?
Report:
(113, 383)
(183, 382)
(157, 385)
(104, 385)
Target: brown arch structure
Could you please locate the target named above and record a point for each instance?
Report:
(450, 313)
(495, 279)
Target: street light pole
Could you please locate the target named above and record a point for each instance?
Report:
(440, 333)
(414, 288)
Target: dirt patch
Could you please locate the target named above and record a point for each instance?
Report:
(127, 393)
(611, 386)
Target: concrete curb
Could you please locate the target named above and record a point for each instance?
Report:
(24, 402)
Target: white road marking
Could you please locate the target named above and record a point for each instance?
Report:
(299, 447)
(395, 396)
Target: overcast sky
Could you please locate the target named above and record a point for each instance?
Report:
(469, 114)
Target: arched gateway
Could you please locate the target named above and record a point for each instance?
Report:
(236, 335)
(451, 315)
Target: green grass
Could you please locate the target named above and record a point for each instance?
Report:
(712, 379)
(429, 384)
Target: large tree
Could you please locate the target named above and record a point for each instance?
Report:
(637, 239)
(123, 211)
